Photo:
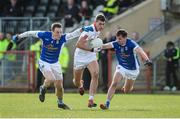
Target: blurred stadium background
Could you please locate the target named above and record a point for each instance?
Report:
(153, 22)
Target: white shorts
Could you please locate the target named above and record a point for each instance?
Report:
(127, 74)
(83, 58)
(54, 68)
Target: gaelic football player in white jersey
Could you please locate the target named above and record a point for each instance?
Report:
(86, 57)
(128, 66)
(52, 42)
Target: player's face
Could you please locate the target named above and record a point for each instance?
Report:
(57, 33)
(100, 25)
(121, 40)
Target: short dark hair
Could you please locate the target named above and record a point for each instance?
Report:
(122, 32)
(169, 44)
(55, 25)
(100, 17)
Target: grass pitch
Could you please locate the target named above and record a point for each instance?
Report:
(132, 105)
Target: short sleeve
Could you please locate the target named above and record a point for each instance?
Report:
(134, 45)
(114, 45)
(41, 34)
(63, 38)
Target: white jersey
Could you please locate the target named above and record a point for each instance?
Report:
(82, 56)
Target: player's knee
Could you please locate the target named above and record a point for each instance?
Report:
(48, 82)
(74, 82)
(95, 75)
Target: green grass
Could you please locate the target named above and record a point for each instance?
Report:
(132, 105)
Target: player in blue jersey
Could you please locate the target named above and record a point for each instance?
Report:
(128, 66)
(86, 57)
(52, 42)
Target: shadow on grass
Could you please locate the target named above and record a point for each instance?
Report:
(100, 110)
(95, 110)
(139, 110)
(109, 110)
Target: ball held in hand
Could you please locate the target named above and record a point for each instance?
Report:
(95, 43)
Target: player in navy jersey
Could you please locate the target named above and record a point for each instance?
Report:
(52, 42)
(86, 57)
(128, 66)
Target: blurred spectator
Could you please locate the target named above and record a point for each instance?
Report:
(171, 54)
(86, 23)
(36, 48)
(85, 11)
(10, 58)
(96, 3)
(14, 8)
(64, 61)
(111, 8)
(70, 13)
(2, 46)
(98, 10)
(135, 36)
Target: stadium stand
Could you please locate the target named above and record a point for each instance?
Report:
(49, 8)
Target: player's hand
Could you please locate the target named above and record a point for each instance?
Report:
(87, 29)
(15, 38)
(96, 50)
(148, 63)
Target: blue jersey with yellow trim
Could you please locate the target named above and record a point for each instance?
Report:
(50, 48)
(126, 55)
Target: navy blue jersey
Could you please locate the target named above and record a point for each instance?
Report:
(50, 48)
(126, 55)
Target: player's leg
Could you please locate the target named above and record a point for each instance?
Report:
(79, 66)
(47, 72)
(131, 76)
(78, 77)
(116, 79)
(168, 78)
(175, 79)
(49, 79)
(59, 91)
(58, 84)
(128, 85)
(93, 68)
(78, 82)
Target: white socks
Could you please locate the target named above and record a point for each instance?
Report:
(91, 97)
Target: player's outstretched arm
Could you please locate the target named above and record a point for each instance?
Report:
(107, 46)
(28, 34)
(74, 34)
(25, 34)
(143, 55)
